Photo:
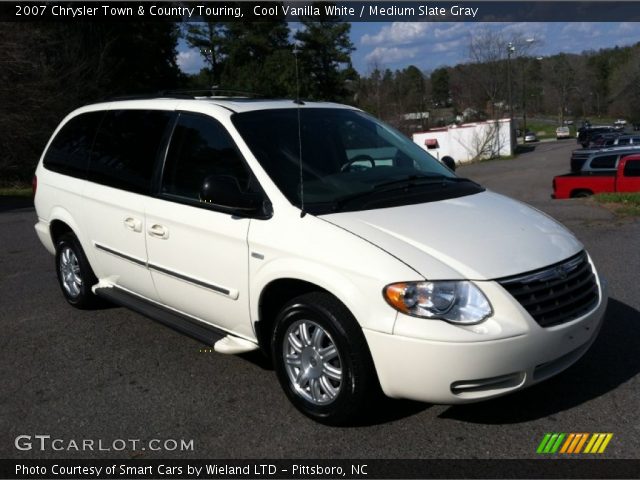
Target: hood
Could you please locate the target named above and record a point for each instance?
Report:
(477, 237)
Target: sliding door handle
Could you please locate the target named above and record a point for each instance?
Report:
(159, 231)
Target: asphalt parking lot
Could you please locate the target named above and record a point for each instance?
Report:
(113, 374)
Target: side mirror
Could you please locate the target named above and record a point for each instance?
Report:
(223, 191)
(449, 163)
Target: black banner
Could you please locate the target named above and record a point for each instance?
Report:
(348, 11)
(302, 469)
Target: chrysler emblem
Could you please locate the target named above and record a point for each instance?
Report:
(561, 273)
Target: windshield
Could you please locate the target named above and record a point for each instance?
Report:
(350, 160)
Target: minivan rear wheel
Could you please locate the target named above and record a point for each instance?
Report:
(75, 275)
(322, 360)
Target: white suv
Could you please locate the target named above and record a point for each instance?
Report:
(320, 235)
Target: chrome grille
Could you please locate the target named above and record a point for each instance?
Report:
(558, 293)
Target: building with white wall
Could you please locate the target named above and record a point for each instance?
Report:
(470, 141)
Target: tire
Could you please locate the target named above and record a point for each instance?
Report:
(339, 386)
(75, 275)
(581, 194)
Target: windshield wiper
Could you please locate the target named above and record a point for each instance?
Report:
(410, 181)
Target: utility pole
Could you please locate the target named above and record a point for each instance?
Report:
(510, 49)
(525, 60)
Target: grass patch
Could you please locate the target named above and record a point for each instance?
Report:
(546, 130)
(17, 191)
(621, 203)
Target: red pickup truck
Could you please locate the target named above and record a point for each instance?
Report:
(582, 184)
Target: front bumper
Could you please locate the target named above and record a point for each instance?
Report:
(450, 372)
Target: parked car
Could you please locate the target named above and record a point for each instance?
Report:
(323, 237)
(530, 137)
(602, 140)
(626, 140)
(563, 132)
(585, 133)
(598, 160)
(620, 122)
(625, 179)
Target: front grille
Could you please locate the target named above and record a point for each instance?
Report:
(558, 293)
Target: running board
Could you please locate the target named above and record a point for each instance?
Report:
(209, 335)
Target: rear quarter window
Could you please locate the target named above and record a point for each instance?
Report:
(69, 151)
(604, 162)
(632, 168)
(126, 148)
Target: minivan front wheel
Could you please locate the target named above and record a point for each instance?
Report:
(322, 359)
(75, 275)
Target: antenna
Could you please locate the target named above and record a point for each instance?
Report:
(299, 103)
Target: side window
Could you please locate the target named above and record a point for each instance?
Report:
(126, 148)
(200, 147)
(624, 141)
(68, 153)
(605, 161)
(632, 168)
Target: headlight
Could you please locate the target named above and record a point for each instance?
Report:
(456, 302)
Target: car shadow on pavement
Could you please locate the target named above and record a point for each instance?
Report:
(385, 410)
(526, 148)
(612, 360)
(14, 203)
(380, 409)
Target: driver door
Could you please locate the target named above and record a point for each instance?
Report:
(198, 256)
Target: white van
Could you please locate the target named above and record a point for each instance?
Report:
(323, 237)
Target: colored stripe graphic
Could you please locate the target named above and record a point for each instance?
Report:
(543, 443)
(550, 443)
(573, 443)
(598, 442)
(581, 443)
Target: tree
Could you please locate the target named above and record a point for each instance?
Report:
(208, 38)
(49, 68)
(440, 87)
(259, 58)
(325, 57)
(625, 88)
(561, 78)
(487, 51)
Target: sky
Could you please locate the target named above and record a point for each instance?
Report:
(430, 45)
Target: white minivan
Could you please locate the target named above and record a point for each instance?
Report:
(320, 235)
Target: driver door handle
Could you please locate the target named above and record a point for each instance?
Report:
(159, 231)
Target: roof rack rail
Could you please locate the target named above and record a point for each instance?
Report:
(149, 96)
(215, 92)
(188, 94)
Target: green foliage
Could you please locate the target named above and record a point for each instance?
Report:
(392, 94)
(542, 130)
(325, 58)
(258, 58)
(16, 191)
(440, 88)
(48, 69)
(621, 203)
(208, 38)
